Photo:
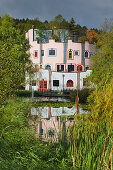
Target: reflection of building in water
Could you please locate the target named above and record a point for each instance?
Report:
(50, 128)
(53, 121)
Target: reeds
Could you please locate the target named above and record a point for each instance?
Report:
(90, 145)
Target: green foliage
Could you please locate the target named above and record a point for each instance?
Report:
(72, 28)
(13, 58)
(23, 93)
(83, 95)
(58, 23)
(19, 148)
(80, 31)
(101, 100)
(82, 39)
(90, 143)
(52, 104)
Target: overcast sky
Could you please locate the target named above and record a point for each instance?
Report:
(90, 13)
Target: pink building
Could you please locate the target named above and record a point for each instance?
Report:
(59, 63)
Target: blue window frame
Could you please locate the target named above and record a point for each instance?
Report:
(52, 52)
(48, 67)
(42, 52)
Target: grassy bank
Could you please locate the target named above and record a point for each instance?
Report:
(53, 104)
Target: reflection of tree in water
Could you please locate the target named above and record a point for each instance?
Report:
(63, 111)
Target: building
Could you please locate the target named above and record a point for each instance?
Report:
(62, 65)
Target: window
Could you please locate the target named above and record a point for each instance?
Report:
(70, 54)
(90, 54)
(70, 68)
(84, 82)
(86, 54)
(48, 67)
(56, 83)
(69, 83)
(76, 52)
(52, 52)
(79, 68)
(36, 53)
(60, 68)
(87, 67)
(43, 85)
(42, 52)
(33, 82)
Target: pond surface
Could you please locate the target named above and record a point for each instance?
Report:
(45, 112)
(53, 120)
(50, 99)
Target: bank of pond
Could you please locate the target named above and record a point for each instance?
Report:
(69, 95)
(50, 135)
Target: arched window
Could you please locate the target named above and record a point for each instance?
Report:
(48, 67)
(86, 54)
(79, 68)
(69, 83)
(70, 54)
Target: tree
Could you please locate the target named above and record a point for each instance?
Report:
(14, 60)
(72, 28)
(58, 23)
(80, 32)
(91, 35)
(101, 99)
(82, 39)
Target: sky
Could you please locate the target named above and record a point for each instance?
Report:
(90, 13)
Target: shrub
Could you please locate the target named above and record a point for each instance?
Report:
(83, 94)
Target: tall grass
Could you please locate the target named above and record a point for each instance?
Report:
(86, 145)
(19, 147)
(90, 144)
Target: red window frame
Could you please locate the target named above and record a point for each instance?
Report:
(79, 68)
(43, 85)
(70, 83)
(36, 53)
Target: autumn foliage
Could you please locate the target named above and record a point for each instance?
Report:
(91, 35)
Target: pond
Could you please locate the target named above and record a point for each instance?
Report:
(53, 120)
(50, 99)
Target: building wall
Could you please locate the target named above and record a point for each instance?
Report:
(44, 75)
(60, 52)
(74, 46)
(91, 49)
(59, 58)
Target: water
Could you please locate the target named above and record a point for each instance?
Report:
(44, 112)
(50, 99)
(52, 120)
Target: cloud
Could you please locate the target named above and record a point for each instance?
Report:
(85, 12)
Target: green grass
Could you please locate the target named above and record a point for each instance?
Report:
(89, 140)
(52, 104)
